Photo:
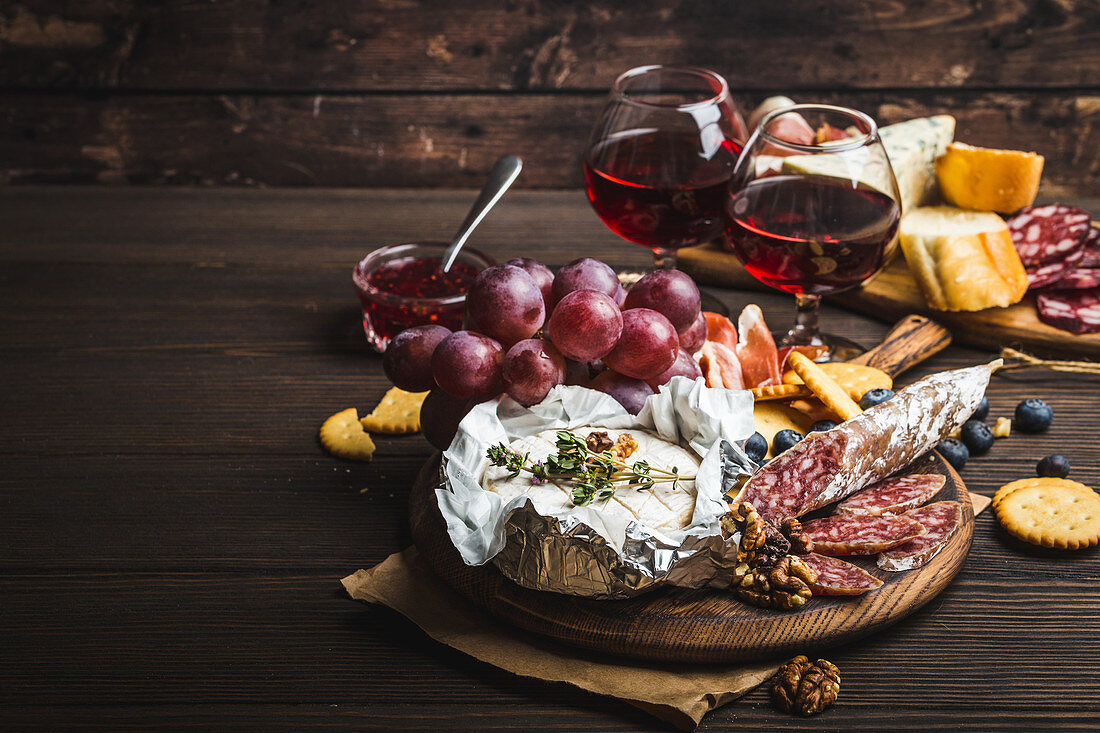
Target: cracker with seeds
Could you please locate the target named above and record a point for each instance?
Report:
(343, 436)
(1050, 512)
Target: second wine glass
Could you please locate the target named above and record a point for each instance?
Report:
(659, 161)
(813, 210)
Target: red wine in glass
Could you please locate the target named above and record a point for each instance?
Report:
(660, 157)
(811, 235)
(656, 188)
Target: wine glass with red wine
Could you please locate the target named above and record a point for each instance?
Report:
(813, 209)
(658, 164)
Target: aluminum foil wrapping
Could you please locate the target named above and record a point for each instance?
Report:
(575, 551)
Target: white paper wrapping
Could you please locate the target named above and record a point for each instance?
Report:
(579, 551)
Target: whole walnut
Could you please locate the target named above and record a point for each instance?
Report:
(805, 687)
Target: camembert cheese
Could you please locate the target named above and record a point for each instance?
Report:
(661, 507)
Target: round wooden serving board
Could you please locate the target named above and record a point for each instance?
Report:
(693, 626)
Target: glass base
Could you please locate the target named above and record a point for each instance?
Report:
(837, 348)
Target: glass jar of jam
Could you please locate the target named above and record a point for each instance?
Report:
(404, 285)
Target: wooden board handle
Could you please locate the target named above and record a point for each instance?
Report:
(912, 340)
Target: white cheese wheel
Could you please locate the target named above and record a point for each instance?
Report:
(661, 507)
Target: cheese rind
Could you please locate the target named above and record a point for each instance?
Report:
(661, 507)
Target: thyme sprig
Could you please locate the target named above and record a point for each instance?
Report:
(595, 475)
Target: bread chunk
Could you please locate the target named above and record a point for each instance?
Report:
(962, 260)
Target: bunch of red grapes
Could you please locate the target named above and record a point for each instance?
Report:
(528, 330)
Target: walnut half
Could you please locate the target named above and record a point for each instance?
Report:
(805, 687)
(784, 586)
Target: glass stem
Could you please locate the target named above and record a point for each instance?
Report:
(804, 332)
(664, 258)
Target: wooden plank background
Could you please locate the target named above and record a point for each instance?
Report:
(427, 94)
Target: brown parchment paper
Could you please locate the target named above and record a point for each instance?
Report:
(679, 694)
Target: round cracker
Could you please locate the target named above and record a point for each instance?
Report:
(344, 437)
(397, 413)
(856, 379)
(1050, 482)
(1054, 513)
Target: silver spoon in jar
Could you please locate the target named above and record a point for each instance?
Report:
(500, 178)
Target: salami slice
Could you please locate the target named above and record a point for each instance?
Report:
(1045, 234)
(1080, 278)
(893, 495)
(828, 466)
(1092, 249)
(1077, 311)
(836, 577)
(940, 520)
(861, 534)
(1049, 274)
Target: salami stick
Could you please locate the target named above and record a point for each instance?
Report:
(828, 466)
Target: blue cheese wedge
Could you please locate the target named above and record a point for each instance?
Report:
(661, 507)
(912, 147)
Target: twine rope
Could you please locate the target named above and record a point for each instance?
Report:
(1019, 360)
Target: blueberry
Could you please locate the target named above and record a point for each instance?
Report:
(785, 439)
(1033, 416)
(977, 436)
(822, 425)
(983, 410)
(756, 447)
(1053, 465)
(954, 452)
(874, 397)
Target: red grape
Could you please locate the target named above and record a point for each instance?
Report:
(692, 337)
(505, 304)
(671, 293)
(684, 366)
(627, 391)
(580, 373)
(467, 364)
(440, 415)
(531, 368)
(620, 296)
(647, 347)
(540, 273)
(585, 325)
(408, 359)
(584, 274)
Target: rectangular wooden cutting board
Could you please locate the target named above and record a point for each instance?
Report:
(893, 293)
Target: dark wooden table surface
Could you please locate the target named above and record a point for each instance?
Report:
(172, 534)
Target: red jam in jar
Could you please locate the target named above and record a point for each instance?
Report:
(404, 286)
(422, 278)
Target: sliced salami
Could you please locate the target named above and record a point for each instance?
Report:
(1049, 274)
(893, 495)
(861, 534)
(940, 520)
(828, 466)
(1045, 234)
(1077, 311)
(1079, 278)
(1092, 249)
(836, 577)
